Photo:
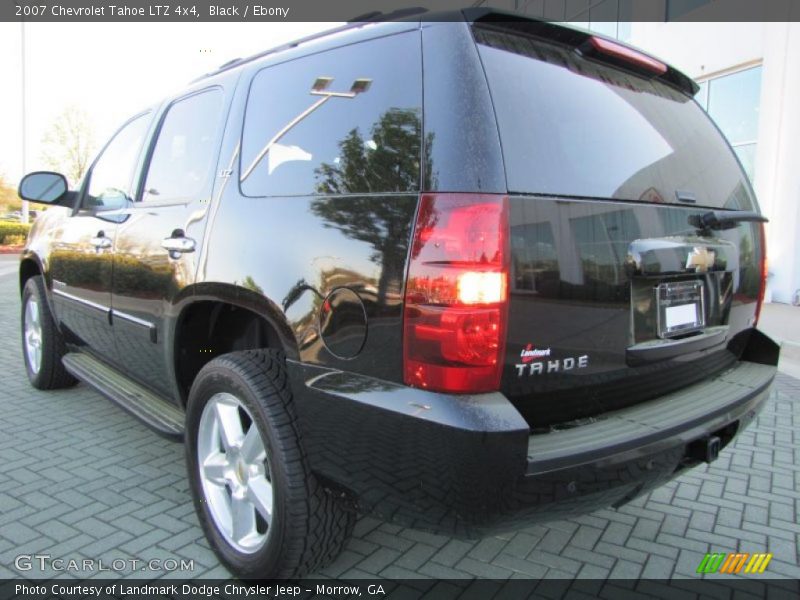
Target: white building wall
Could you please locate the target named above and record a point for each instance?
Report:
(778, 156)
(700, 49)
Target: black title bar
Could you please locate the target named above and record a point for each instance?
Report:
(165, 11)
(382, 589)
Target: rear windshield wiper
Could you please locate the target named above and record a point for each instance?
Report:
(718, 219)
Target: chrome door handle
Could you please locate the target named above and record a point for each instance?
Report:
(101, 241)
(177, 245)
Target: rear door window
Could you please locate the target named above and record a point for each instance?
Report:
(574, 127)
(182, 166)
(343, 121)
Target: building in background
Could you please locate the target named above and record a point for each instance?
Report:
(749, 76)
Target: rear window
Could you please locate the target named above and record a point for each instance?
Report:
(574, 127)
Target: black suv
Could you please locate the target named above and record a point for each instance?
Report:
(461, 275)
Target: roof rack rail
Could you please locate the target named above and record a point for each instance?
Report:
(359, 21)
(395, 15)
(230, 63)
(368, 16)
(314, 36)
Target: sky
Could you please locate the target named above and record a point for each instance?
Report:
(112, 70)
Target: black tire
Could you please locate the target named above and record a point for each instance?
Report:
(51, 374)
(309, 526)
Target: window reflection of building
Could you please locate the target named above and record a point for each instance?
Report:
(575, 251)
(535, 268)
(581, 250)
(603, 244)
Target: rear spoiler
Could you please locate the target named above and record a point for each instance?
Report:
(587, 44)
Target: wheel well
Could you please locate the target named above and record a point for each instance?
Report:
(207, 329)
(27, 269)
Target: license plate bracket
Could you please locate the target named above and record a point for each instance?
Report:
(680, 308)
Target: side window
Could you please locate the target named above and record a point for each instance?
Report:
(112, 174)
(182, 166)
(344, 121)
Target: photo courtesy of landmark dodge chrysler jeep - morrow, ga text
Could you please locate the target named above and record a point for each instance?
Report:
(461, 274)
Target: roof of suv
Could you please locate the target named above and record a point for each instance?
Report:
(369, 19)
(554, 31)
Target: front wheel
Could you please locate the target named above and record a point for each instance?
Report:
(42, 342)
(262, 510)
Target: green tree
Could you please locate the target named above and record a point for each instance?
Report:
(68, 145)
(8, 196)
(388, 161)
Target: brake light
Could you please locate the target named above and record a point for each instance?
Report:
(764, 273)
(627, 55)
(456, 294)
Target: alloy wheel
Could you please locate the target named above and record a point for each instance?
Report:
(234, 472)
(33, 335)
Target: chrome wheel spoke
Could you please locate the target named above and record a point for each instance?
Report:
(252, 447)
(259, 492)
(215, 468)
(229, 424)
(243, 516)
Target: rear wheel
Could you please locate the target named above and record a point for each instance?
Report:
(42, 343)
(263, 512)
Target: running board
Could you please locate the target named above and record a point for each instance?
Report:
(155, 412)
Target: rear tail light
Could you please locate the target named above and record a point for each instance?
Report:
(764, 273)
(456, 294)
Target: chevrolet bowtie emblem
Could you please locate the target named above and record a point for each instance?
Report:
(700, 259)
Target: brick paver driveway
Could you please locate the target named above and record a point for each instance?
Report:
(79, 478)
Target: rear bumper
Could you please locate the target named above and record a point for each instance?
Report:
(632, 451)
(466, 465)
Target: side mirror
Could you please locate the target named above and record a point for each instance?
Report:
(43, 186)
